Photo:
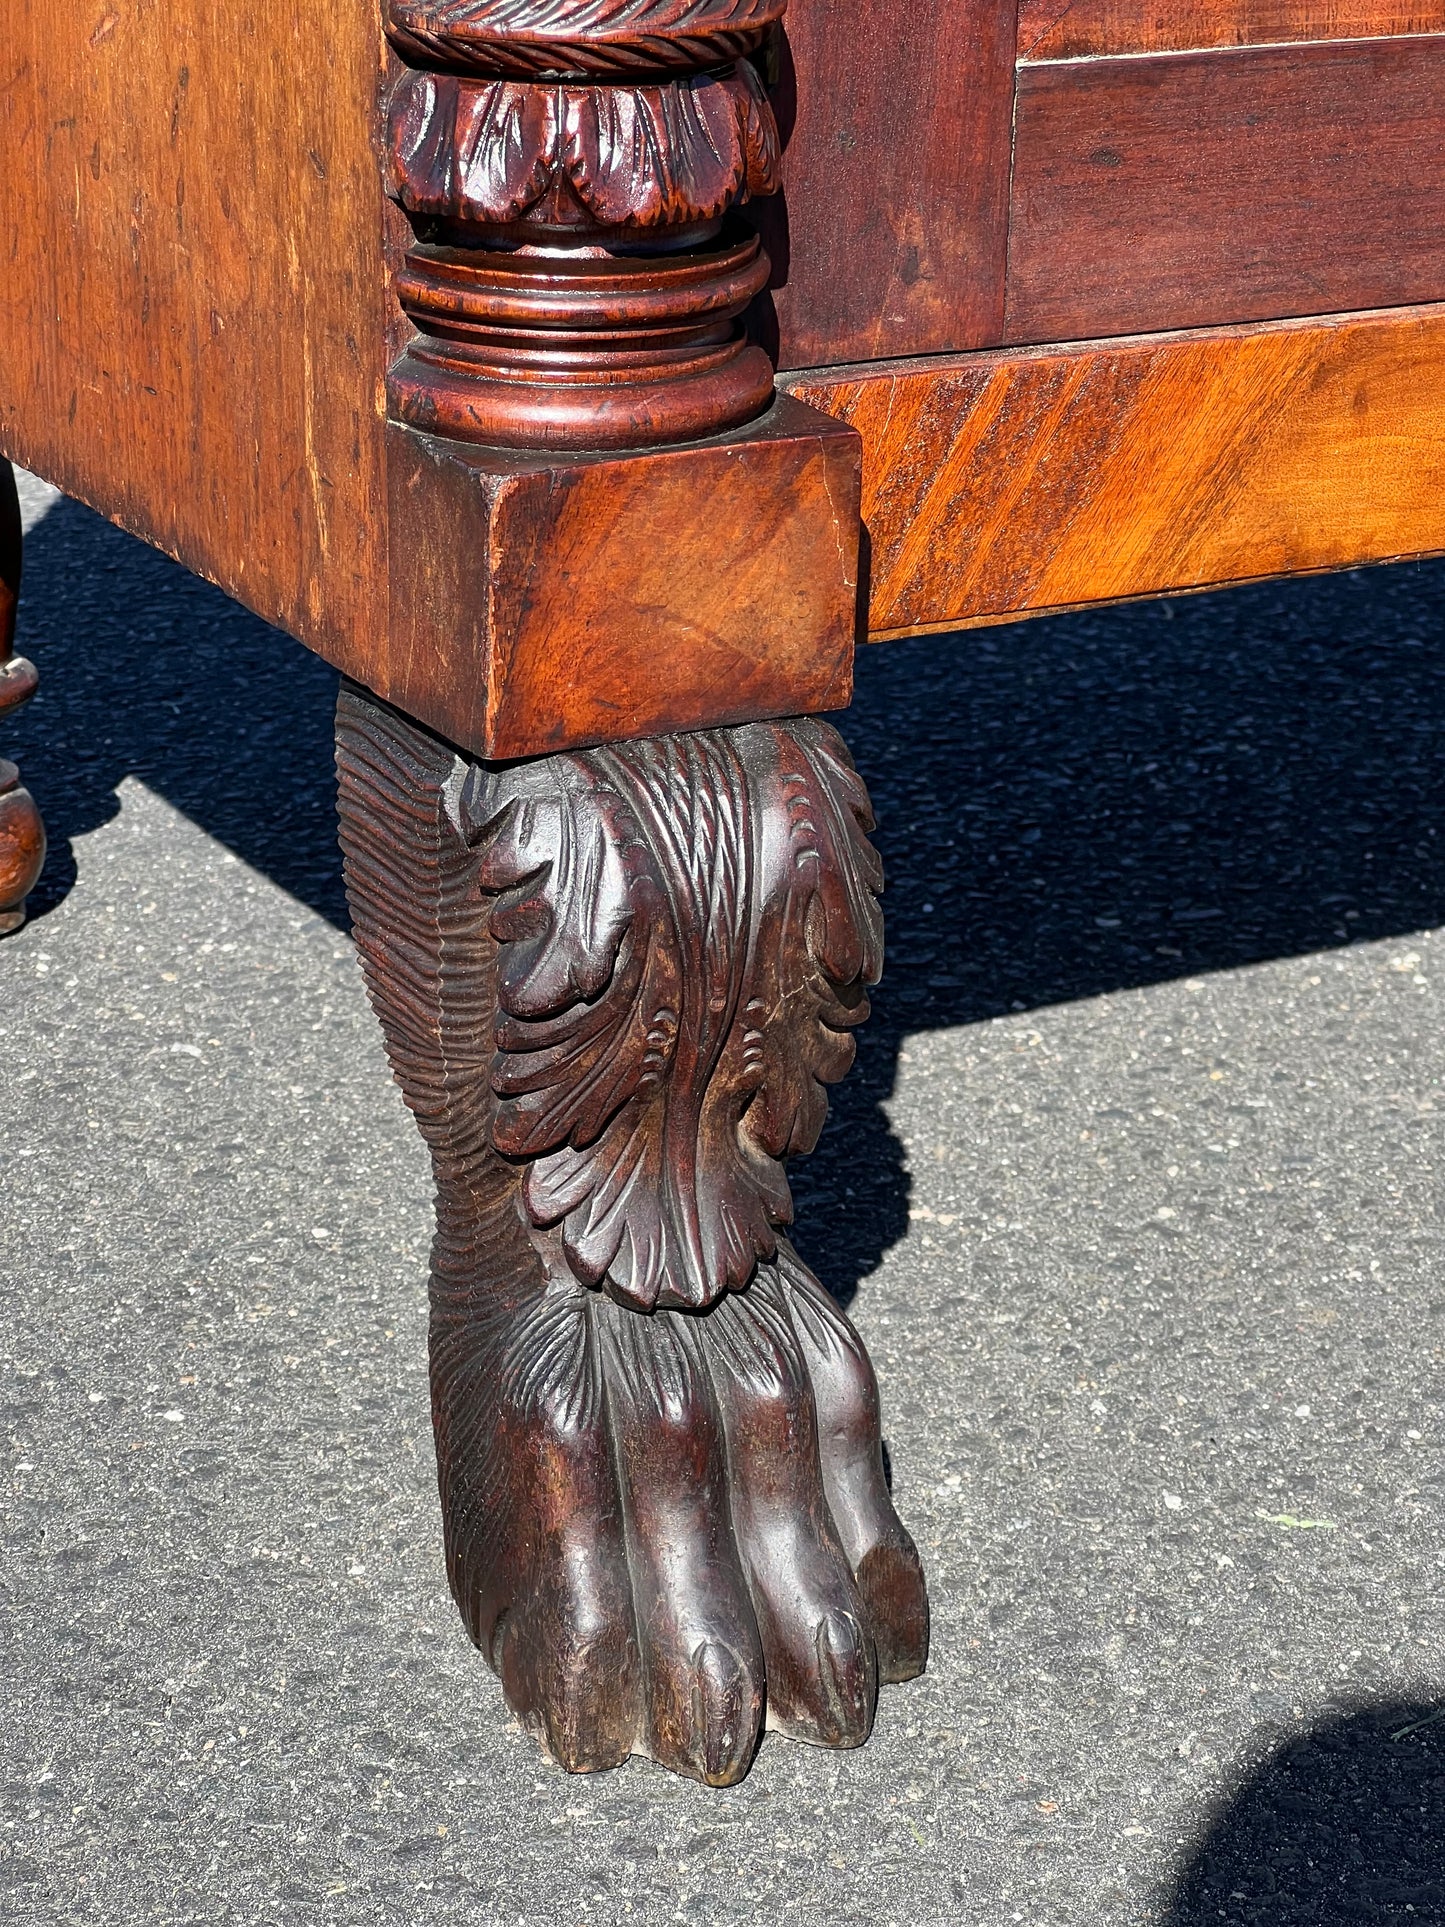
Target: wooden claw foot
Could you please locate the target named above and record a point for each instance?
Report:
(613, 985)
(22, 834)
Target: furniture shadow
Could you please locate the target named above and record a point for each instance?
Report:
(1103, 800)
(1340, 1825)
(147, 671)
(1066, 807)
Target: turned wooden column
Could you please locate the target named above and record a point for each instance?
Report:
(568, 171)
(22, 834)
(618, 917)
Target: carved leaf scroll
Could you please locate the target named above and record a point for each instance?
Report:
(685, 927)
(651, 156)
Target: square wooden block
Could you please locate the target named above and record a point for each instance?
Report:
(540, 601)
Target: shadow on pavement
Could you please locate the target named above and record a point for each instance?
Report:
(147, 671)
(1341, 1825)
(1066, 807)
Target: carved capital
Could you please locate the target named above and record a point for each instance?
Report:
(567, 166)
(491, 154)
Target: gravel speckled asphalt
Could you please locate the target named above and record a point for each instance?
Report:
(1135, 1195)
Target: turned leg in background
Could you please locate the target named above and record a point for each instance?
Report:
(614, 983)
(22, 834)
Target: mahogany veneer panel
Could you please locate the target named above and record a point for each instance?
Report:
(1073, 29)
(194, 330)
(889, 236)
(1009, 483)
(1180, 190)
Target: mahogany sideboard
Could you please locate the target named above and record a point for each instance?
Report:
(584, 379)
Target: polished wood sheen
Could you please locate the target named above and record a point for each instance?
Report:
(1077, 29)
(613, 986)
(889, 235)
(194, 330)
(1181, 190)
(570, 279)
(1010, 483)
(200, 338)
(614, 980)
(605, 596)
(455, 356)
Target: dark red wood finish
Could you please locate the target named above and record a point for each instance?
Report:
(618, 920)
(622, 594)
(614, 982)
(1181, 190)
(571, 283)
(890, 233)
(1076, 29)
(613, 985)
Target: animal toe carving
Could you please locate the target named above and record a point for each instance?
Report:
(614, 985)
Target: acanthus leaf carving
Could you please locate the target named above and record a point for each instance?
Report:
(455, 148)
(568, 166)
(685, 927)
(820, 941)
(490, 151)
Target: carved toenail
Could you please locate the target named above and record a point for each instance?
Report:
(846, 1674)
(719, 1686)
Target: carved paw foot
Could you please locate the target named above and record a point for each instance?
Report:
(614, 985)
(682, 1532)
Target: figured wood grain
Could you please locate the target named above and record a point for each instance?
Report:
(195, 338)
(1076, 29)
(592, 598)
(1184, 190)
(1009, 483)
(889, 236)
(194, 330)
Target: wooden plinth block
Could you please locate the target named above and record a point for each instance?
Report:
(541, 601)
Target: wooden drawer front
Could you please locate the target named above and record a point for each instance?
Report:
(1058, 30)
(1022, 480)
(1182, 190)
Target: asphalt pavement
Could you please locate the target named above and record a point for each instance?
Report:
(1135, 1195)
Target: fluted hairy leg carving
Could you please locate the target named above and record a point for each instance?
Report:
(613, 985)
